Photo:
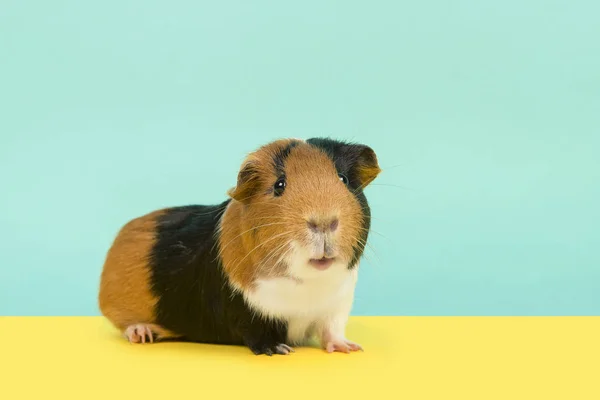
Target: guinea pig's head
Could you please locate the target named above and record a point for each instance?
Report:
(298, 210)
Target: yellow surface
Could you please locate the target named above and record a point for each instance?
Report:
(404, 358)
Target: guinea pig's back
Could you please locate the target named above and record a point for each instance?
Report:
(162, 269)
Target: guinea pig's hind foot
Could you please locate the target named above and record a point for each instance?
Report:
(139, 333)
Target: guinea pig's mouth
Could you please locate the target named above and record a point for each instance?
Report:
(322, 263)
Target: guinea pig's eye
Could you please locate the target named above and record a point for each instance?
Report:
(343, 178)
(279, 187)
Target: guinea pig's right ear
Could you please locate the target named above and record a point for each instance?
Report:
(248, 182)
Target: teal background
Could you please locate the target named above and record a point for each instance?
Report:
(487, 114)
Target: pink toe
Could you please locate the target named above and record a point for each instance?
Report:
(150, 336)
(354, 346)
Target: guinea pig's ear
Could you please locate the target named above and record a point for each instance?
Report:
(248, 181)
(366, 165)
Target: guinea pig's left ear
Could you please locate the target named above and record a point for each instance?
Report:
(366, 165)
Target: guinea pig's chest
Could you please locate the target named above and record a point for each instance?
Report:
(291, 298)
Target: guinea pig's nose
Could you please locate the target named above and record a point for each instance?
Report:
(323, 225)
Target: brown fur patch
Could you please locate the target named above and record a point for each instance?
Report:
(368, 168)
(257, 229)
(125, 297)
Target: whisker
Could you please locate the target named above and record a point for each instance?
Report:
(383, 169)
(260, 245)
(360, 188)
(246, 231)
(213, 211)
(274, 252)
(251, 196)
(367, 257)
(374, 231)
(282, 256)
(368, 245)
(274, 217)
(271, 254)
(277, 206)
(390, 185)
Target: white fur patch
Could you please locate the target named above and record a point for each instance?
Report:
(311, 301)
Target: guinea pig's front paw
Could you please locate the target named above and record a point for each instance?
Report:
(270, 349)
(341, 345)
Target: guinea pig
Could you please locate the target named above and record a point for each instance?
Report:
(270, 268)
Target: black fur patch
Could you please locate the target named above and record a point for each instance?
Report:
(345, 156)
(195, 299)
